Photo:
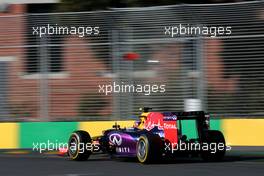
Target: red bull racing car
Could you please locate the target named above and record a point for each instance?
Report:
(155, 136)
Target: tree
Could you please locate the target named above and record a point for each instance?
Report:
(89, 5)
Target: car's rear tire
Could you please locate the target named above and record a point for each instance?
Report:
(77, 149)
(149, 148)
(216, 154)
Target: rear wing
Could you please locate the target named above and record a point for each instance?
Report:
(191, 115)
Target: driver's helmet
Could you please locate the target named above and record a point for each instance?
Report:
(142, 119)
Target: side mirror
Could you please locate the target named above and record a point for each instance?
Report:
(145, 109)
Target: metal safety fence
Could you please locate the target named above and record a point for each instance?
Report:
(107, 64)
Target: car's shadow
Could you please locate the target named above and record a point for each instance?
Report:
(186, 160)
(230, 157)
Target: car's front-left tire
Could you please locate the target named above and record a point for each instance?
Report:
(77, 149)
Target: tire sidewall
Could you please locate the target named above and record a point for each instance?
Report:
(214, 136)
(153, 148)
(145, 140)
(82, 137)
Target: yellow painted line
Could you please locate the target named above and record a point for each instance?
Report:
(96, 128)
(244, 132)
(17, 152)
(52, 153)
(8, 135)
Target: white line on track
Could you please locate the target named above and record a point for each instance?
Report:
(88, 174)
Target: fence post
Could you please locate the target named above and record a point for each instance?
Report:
(115, 70)
(44, 76)
(201, 87)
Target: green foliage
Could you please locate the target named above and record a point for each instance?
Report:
(83, 5)
(89, 5)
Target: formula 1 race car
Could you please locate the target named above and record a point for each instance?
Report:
(155, 136)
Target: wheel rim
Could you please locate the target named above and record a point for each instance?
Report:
(73, 146)
(141, 149)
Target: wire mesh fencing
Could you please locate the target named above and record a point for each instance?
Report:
(107, 64)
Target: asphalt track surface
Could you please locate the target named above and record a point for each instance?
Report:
(239, 162)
